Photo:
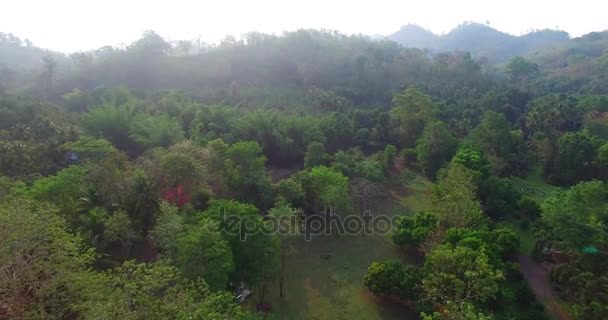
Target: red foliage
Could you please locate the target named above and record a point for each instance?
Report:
(177, 196)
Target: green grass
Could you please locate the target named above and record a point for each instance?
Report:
(534, 186)
(324, 277)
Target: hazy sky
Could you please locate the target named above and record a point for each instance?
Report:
(72, 25)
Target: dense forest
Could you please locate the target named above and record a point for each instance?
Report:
(118, 166)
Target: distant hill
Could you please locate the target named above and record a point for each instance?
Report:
(581, 62)
(479, 39)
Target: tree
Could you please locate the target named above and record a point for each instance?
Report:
(149, 291)
(202, 252)
(155, 131)
(578, 215)
(63, 190)
(338, 131)
(315, 155)
(370, 170)
(473, 159)
(499, 197)
(87, 148)
(521, 69)
(392, 279)
(283, 215)
(575, 159)
(169, 225)
(325, 187)
(345, 161)
(245, 174)
(454, 199)
(390, 152)
(435, 148)
(111, 122)
(503, 146)
(412, 230)
(411, 111)
(38, 259)
(460, 274)
(185, 46)
(554, 114)
(255, 250)
(291, 190)
(119, 228)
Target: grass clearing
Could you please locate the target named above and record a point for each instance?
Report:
(534, 186)
(324, 277)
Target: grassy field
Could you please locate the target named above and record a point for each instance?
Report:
(534, 186)
(325, 276)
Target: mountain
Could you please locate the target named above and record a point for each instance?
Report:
(581, 62)
(415, 36)
(479, 39)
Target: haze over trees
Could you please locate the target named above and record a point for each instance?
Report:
(119, 166)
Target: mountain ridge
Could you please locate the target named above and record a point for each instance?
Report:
(479, 39)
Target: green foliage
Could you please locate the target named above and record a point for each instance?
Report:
(338, 130)
(521, 69)
(528, 208)
(370, 170)
(90, 149)
(411, 111)
(155, 131)
(202, 252)
(551, 115)
(315, 155)
(119, 228)
(473, 159)
(168, 226)
(602, 155)
(435, 148)
(499, 197)
(149, 291)
(62, 190)
(291, 191)
(575, 160)
(578, 215)
(412, 230)
(498, 244)
(504, 147)
(584, 287)
(255, 252)
(325, 187)
(388, 157)
(38, 258)
(392, 279)
(460, 275)
(454, 199)
(245, 174)
(346, 160)
(112, 123)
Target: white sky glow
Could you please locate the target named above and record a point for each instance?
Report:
(73, 25)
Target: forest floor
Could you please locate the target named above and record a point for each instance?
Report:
(324, 277)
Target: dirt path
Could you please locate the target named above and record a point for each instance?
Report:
(538, 279)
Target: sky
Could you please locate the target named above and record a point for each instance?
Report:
(78, 25)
